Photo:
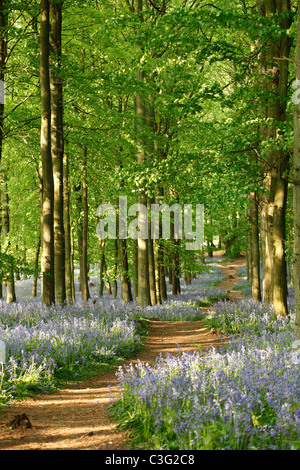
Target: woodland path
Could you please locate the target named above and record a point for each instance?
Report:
(77, 418)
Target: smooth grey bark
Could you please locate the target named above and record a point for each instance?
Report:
(296, 187)
(47, 233)
(9, 275)
(84, 275)
(69, 268)
(275, 82)
(36, 268)
(57, 151)
(256, 291)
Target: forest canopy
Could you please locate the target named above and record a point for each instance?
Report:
(162, 102)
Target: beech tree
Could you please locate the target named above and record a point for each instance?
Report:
(296, 182)
(57, 151)
(47, 230)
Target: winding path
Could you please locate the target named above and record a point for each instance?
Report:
(77, 418)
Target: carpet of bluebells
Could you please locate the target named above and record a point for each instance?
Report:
(46, 346)
(243, 396)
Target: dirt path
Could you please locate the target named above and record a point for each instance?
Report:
(77, 418)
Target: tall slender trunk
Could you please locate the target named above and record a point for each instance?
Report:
(102, 263)
(115, 284)
(277, 159)
(57, 150)
(3, 57)
(151, 261)
(9, 275)
(47, 234)
(176, 270)
(125, 280)
(157, 270)
(69, 275)
(143, 267)
(162, 277)
(79, 225)
(175, 262)
(84, 277)
(1, 270)
(135, 268)
(143, 264)
(5, 214)
(281, 168)
(266, 228)
(36, 268)
(266, 203)
(256, 291)
(296, 187)
(72, 264)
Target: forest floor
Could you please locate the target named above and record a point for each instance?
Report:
(77, 418)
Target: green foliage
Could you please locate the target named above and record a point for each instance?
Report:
(199, 76)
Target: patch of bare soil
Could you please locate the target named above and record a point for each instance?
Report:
(77, 418)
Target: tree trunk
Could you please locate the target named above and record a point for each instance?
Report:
(175, 263)
(176, 270)
(162, 276)
(135, 268)
(79, 239)
(143, 265)
(280, 289)
(4, 9)
(102, 262)
(277, 159)
(266, 228)
(256, 292)
(157, 270)
(296, 187)
(151, 261)
(36, 268)
(57, 149)
(47, 234)
(9, 275)
(69, 275)
(3, 56)
(84, 277)
(125, 280)
(115, 284)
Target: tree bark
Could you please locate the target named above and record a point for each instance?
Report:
(36, 268)
(277, 159)
(143, 264)
(84, 277)
(296, 187)
(47, 234)
(10, 292)
(135, 268)
(9, 275)
(102, 263)
(57, 150)
(115, 284)
(256, 291)
(162, 276)
(125, 280)
(151, 261)
(175, 263)
(3, 57)
(69, 274)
